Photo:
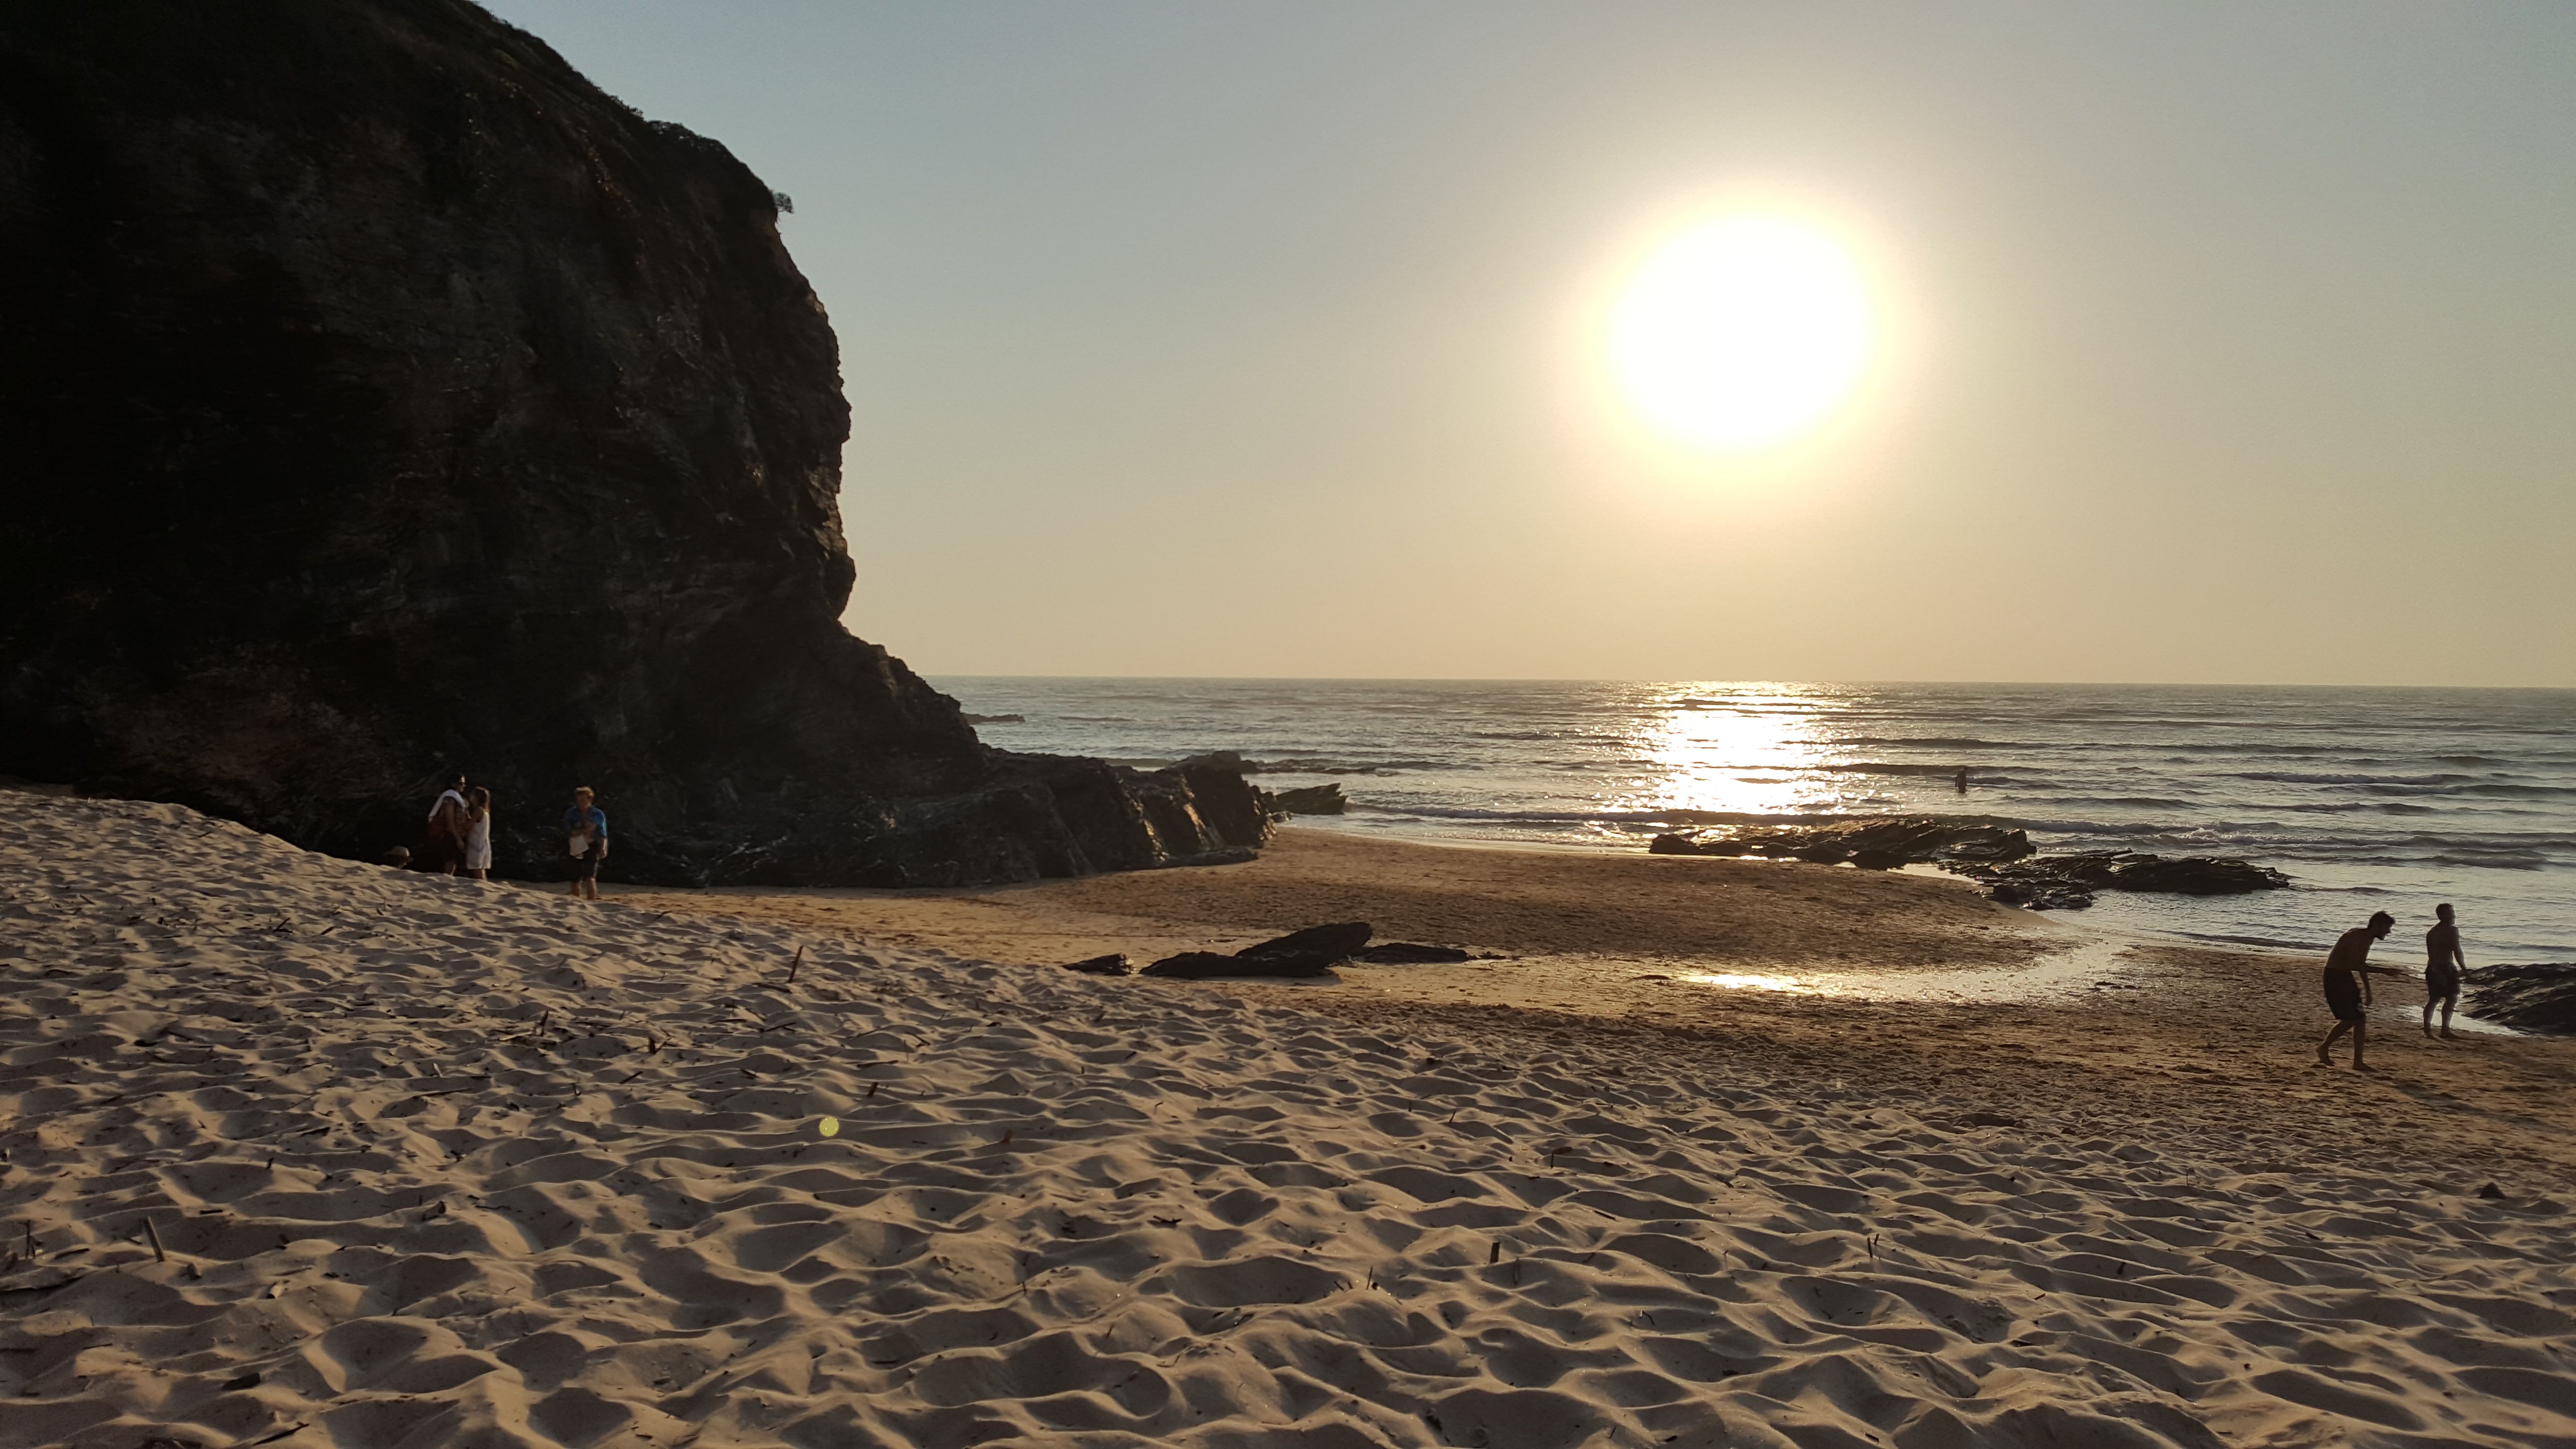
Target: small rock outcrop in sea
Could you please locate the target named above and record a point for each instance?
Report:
(1310, 952)
(2067, 882)
(2002, 857)
(383, 401)
(1877, 844)
(2536, 998)
(1326, 799)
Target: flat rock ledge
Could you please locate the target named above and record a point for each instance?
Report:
(2539, 997)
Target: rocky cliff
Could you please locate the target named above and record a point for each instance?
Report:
(381, 399)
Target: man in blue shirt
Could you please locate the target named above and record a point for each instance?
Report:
(586, 841)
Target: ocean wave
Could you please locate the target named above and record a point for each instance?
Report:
(1471, 813)
(2498, 860)
(2411, 860)
(1885, 767)
(2104, 827)
(1327, 766)
(1645, 820)
(2292, 777)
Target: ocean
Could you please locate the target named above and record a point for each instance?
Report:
(2371, 799)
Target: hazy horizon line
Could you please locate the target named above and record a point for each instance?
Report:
(935, 676)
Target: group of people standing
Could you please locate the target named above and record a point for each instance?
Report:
(460, 836)
(2348, 973)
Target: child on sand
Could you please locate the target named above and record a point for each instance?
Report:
(478, 835)
(586, 841)
(2348, 973)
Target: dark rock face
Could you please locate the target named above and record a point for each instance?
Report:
(1310, 952)
(1869, 844)
(2536, 998)
(379, 400)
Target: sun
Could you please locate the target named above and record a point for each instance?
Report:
(1742, 332)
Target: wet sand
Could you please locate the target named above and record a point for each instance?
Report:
(311, 1153)
(1912, 984)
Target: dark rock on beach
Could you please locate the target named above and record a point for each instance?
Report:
(1310, 952)
(1886, 843)
(1410, 953)
(2536, 998)
(379, 400)
(2040, 896)
(2061, 882)
(1998, 855)
(1113, 964)
(1324, 799)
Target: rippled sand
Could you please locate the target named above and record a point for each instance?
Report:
(427, 1162)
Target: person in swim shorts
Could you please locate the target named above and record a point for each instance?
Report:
(2348, 973)
(2443, 964)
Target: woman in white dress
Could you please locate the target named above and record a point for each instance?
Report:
(478, 835)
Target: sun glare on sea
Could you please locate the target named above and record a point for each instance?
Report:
(1742, 332)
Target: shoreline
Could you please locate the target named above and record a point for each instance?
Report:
(1907, 979)
(1138, 909)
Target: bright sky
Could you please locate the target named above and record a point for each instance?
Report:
(2204, 342)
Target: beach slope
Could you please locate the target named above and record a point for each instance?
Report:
(309, 1153)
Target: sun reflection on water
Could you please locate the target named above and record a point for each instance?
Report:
(1735, 982)
(1739, 750)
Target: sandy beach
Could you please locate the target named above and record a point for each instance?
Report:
(305, 1152)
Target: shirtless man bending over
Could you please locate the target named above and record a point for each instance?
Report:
(2348, 973)
(2443, 964)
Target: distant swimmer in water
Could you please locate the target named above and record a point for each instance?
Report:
(1962, 781)
(2443, 964)
(2348, 973)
